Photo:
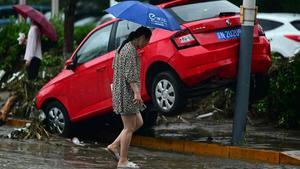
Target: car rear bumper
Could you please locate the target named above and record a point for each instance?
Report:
(197, 64)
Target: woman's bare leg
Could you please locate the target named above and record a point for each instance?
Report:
(129, 122)
(139, 121)
(114, 145)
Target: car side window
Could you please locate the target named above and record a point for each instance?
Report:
(95, 46)
(268, 24)
(123, 30)
(296, 24)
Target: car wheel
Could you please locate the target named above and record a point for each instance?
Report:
(57, 119)
(167, 94)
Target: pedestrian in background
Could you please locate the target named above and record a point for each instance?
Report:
(33, 53)
(126, 93)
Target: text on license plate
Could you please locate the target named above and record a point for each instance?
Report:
(228, 34)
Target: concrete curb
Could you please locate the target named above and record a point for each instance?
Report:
(233, 152)
(204, 149)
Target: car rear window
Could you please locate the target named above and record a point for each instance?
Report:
(268, 24)
(203, 10)
(296, 24)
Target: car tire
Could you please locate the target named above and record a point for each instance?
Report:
(57, 119)
(167, 93)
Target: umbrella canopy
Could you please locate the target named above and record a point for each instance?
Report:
(144, 14)
(44, 25)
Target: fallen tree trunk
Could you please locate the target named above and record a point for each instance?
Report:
(6, 108)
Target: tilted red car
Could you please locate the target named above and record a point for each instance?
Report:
(174, 66)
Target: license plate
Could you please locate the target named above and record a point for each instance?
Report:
(227, 34)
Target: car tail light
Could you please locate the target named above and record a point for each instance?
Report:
(293, 37)
(260, 30)
(184, 39)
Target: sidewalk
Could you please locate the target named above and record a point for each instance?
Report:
(212, 137)
(263, 136)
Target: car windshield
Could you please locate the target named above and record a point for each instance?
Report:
(203, 10)
(296, 24)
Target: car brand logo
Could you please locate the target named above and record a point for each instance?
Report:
(228, 22)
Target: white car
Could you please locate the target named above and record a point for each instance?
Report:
(283, 32)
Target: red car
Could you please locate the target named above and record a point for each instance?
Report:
(175, 65)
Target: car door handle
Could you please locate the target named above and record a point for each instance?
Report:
(101, 69)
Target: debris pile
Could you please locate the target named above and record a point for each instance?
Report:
(24, 90)
(33, 130)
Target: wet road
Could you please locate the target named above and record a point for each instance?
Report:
(61, 153)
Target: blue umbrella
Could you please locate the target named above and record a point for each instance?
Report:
(144, 14)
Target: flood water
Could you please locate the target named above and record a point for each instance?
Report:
(61, 153)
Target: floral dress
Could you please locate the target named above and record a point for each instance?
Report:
(126, 66)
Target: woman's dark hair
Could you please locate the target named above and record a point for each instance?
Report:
(136, 34)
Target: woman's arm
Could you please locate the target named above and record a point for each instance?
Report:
(132, 74)
(137, 93)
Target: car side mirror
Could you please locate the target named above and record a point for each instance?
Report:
(70, 65)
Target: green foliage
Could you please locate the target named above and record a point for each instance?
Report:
(81, 32)
(284, 92)
(51, 65)
(261, 106)
(51, 61)
(55, 48)
(25, 91)
(10, 50)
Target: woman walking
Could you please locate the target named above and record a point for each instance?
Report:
(126, 94)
